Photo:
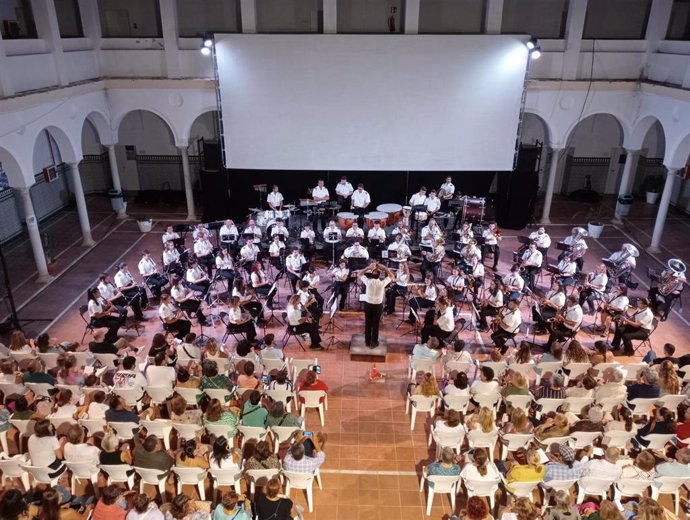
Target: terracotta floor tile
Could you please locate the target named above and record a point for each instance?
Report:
(387, 465)
(389, 513)
(409, 498)
(411, 513)
(388, 482)
(348, 497)
(408, 482)
(369, 497)
(385, 439)
(404, 453)
(367, 482)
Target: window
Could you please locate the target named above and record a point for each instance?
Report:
(289, 16)
(370, 16)
(69, 18)
(539, 18)
(17, 19)
(130, 18)
(679, 26)
(616, 19)
(452, 16)
(198, 17)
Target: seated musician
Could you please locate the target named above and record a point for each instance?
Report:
(171, 258)
(149, 271)
(275, 199)
(549, 305)
(399, 288)
(309, 301)
(613, 306)
(239, 321)
(307, 237)
(302, 325)
(456, 284)
(636, 326)
(280, 229)
(247, 299)
(356, 251)
(252, 229)
(532, 260)
(135, 295)
(513, 284)
(470, 251)
(432, 203)
(249, 253)
(401, 251)
(184, 297)
(565, 325)
(321, 195)
(197, 280)
(113, 296)
(314, 280)
(627, 262)
(203, 249)
(294, 264)
(261, 283)
(360, 200)
(491, 305)
(417, 201)
(355, 232)
(377, 233)
(465, 234)
(439, 322)
(431, 232)
(199, 229)
(102, 314)
(169, 235)
(276, 251)
(476, 273)
(225, 267)
(492, 237)
(402, 230)
(566, 271)
(343, 190)
(507, 325)
(431, 263)
(341, 275)
(424, 299)
(542, 239)
(176, 324)
(228, 234)
(576, 243)
(332, 232)
(594, 287)
(671, 283)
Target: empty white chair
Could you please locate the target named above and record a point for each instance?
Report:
(452, 440)
(161, 428)
(671, 402)
(483, 488)
(131, 396)
(12, 388)
(488, 400)
(107, 360)
(282, 434)
(84, 471)
(479, 439)
(546, 367)
(577, 404)
(284, 396)
(518, 401)
(312, 399)
(632, 370)
(668, 486)
(191, 477)
(153, 477)
(187, 431)
(441, 484)
(25, 429)
(630, 487)
(618, 438)
(219, 430)
(657, 441)
(497, 366)
(50, 360)
(580, 440)
(259, 477)
(119, 473)
(229, 477)
(92, 426)
(158, 394)
(515, 441)
(189, 394)
(593, 486)
(300, 365)
(575, 370)
(300, 481)
(641, 405)
(609, 403)
(12, 468)
(241, 391)
(255, 433)
(452, 367)
(125, 430)
(40, 389)
(420, 404)
(420, 365)
(41, 474)
(457, 402)
(218, 393)
(556, 440)
(547, 405)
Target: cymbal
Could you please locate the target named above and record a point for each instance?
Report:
(254, 210)
(289, 206)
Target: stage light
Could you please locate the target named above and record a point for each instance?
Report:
(205, 51)
(535, 53)
(208, 42)
(531, 44)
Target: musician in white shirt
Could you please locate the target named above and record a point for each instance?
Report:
(314, 280)
(417, 201)
(101, 314)
(594, 287)
(431, 263)
(566, 268)
(249, 252)
(307, 238)
(261, 283)
(203, 249)
(199, 230)
(448, 189)
(149, 271)
(491, 305)
(225, 267)
(637, 326)
(492, 236)
(439, 322)
(426, 297)
(565, 325)
(320, 195)
(375, 290)
(332, 230)
(456, 284)
(532, 260)
(401, 230)
(275, 199)
(402, 250)
(186, 300)
(476, 271)
(253, 229)
(627, 264)
(577, 243)
(280, 229)
(549, 307)
(197, 280)
(514, 283)
(309, 301)
(177, 325)
(302, 325)
(465, 233)
(135, 295)
(360, 201)
(293, 267)
(240, 322)
(356, 251)
(469, 252)
(343, 190)
(275, 252)
(507, 325)
(377, 233)
(355, 231)
(111, 294)
(542, 239)
(399, 288)
(431, 232)
(341, 274)
(432, 203)
(169, 235)
(228, 233)
(170, 255)
(614, 305)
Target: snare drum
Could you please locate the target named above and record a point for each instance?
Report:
(284, 214)
(374, 216)
(263, 218)
(394, 212)
(346, 219)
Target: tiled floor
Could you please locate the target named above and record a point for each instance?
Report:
(373, 458)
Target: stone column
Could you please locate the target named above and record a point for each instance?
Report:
(114, 172)
(551, 183)
(191, 215)
(671, 176)
(34, 236)
(81, 205)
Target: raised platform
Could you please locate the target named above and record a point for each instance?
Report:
(360, 352)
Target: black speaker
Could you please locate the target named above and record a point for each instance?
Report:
(212, 155)
(215, 194)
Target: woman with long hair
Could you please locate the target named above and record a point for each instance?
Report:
(575, 353)
(563, 508)
(428, 387)
(519, 422)
(482, 419)
(609, 511)
(212, 350)
(621, 419)
(217, 414)
(51, 510)
(224, 456)
(523, 354)
(662, 420)
(19, 343)
(192, 455)
(262, 458)
(261, 284)
(669, 383)
(532, 471)
(247, 298)
(479, 467)
(554, 425)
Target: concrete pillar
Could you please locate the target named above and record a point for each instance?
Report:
(191, 215)
(91, 23)
(34, 236)
(114, 172)
(330, 16)
(81, 205)
(631, 157)
(6, 87)
(671, 176)
(248, 14)
(575, 25)
(48, 30)
(551, 183)
(168, 9)
(411, 16)
(494, 16)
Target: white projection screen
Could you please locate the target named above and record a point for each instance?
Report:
(370, 102)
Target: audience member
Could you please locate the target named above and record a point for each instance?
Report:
(271, 505)
(262, 458)
(305, 455)
(253, 413)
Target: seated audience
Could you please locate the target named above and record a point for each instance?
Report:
(305, 455)
(460, 385)
(262, 458)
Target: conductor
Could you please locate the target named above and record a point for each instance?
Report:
(373, 302)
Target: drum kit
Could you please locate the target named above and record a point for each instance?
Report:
(268, 217)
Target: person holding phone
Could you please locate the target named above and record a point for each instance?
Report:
(306, 454)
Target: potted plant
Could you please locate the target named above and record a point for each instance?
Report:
(145, 224)
(653, 184)
(595, 226)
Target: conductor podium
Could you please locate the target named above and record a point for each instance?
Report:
(360, 352)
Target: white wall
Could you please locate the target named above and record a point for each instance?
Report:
(451, 16)
(148, 133)
(90, 143)
(288, 15)
(46, 152)
(595, 136)
(654, 143)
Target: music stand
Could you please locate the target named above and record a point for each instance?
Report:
(216, 301)
(332, 309)
(332, 238)
(472, 325)
(260, 188)
(415, 329)
(272, 291)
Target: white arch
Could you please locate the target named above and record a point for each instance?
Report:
(187, 130)
(625, 130)
(69, 152)
(678, 153)
(12, 168)
(548, 132)
(640, 131)
(102, 125)
(117, 121)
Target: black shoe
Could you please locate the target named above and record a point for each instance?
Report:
(141, 318)
(316, 347)
(504, 349)
(375, 344)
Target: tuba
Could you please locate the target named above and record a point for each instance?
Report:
(579, 250)
(623, 265)
(673, 278)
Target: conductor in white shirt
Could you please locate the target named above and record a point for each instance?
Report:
(373, 302)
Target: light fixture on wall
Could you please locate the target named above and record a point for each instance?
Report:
(206, 44)
(534, 48)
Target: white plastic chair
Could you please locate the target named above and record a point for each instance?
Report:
(4, 443)
(420, 365)
(548, 405)
(497, 366)
(83, 358)
(577, 404)
(523, 489)
(12, 468)
(25, 429)
(575, 370)
(229, 477)
(420, 404)
(191, 477)
(41, 474)
(189, 394)
(552, 486)
(19, 356)
(312, 399)
(131, 396)
(186, 431)
(77, 391)
(608, 404)
(124, 430)
(300, 365)
(641, 405)
(593, 486)
(657, 441)
(153, 477)
(556, 440)
(668, 486)
(457, 402)
(580, 440)
(259, 477)
(282, 434)
(546, 367)
(452, 440)
(479, 439)
(12, 388)
(107, 360)
(161, 428)
(632, 371)
(118, 473)
(270, 365)
(455, 367)
(49, 360)
(619, 438)
(255, 433)
(519, 401)
(158, 394)
(483, 488)
(84, 471)
(515, 442)
(57, 422)
(300, 481)
(526, 369)
(672, 401)
(600, 367)
(217, 393)
(92, 426)
(441, 484)
(219, 430)
(284, 396)
(488, 400)
(40, 389)
(630, 487)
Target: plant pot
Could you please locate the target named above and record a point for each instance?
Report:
(145, 225)
(652, 197)
(595, 229)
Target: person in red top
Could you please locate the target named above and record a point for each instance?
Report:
(107, 507)
(311, 382)
(683, 429)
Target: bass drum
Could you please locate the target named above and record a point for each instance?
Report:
(373, 217)
(346, 219)
(474, 210)
(394, 212)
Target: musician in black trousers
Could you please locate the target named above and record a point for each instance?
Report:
(179, 327)
(439, 322)
(373, 302)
